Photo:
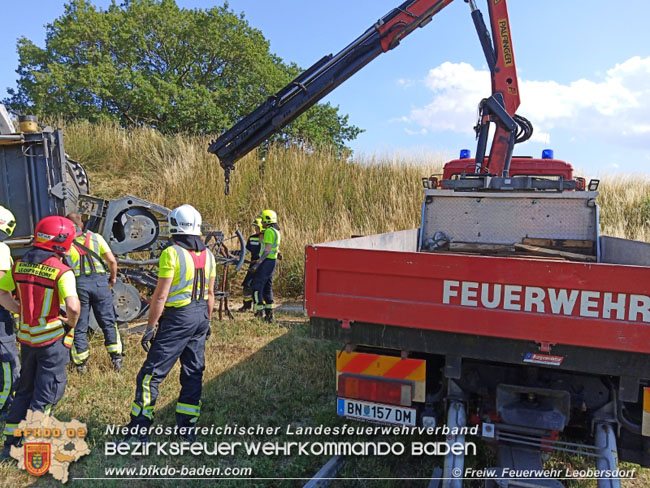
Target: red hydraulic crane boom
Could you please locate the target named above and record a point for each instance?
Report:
(500, 108)
(504, 74)
(332, 70)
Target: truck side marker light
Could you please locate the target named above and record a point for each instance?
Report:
(545, 346)
(346, 323)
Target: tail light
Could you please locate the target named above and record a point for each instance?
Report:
(376, 390)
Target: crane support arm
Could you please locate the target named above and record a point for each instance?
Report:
(501, 106)
(332, 70)
(320, 79)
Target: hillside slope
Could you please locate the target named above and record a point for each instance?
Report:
(318, 196)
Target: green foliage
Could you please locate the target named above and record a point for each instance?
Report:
(151, 63)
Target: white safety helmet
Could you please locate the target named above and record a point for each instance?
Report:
(185, 220)
(7, 221)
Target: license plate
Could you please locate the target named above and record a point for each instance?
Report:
(376, 412)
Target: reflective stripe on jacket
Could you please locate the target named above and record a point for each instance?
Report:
(38, 294)
(194, 277)
(81, 261)
(275, 243)
(253, 246)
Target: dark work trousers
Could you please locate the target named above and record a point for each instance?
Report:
(181, 335)
(9, 363)
(247, 285)
(41, 384)
(94, 293)
(263, 284)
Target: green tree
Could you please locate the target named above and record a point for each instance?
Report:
(149, 62)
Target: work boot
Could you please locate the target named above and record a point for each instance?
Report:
(4, 413)
(259, 314)
(117, 362)
(248, 304)
(136, 439)
(5, 455)
(268, 315)
(189, 436)
(81, 368)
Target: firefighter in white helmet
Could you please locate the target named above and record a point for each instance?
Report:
(181, 309)
(9, 363)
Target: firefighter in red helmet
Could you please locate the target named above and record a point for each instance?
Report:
(42, 283)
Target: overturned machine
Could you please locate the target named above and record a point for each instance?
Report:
(37, 179)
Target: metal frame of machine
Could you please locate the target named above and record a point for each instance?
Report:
(38, 179)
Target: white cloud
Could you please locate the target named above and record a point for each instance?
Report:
(399, 119)
(613, 108)
(641, 129)
(420, 132)
(457, 89)
(405, 83)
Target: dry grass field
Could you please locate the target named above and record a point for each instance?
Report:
(318, 196)
(272, 375)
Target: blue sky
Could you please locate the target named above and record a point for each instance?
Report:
(584, 72)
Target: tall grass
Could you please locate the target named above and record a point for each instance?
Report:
(318, 196)
(625, 206)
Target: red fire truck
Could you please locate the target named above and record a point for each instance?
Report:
(505, 309)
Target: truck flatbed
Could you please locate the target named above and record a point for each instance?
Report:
(379, 291)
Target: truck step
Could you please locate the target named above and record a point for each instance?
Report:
(518, 459)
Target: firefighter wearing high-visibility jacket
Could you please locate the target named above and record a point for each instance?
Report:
(264, 266)
(253, 246)
(182, 306)
(89, 257)
(42, 283)
(9, 363)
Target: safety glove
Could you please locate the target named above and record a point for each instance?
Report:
(68, 339)
(147, 338)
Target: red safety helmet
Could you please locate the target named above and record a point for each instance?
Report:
(54, 233)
